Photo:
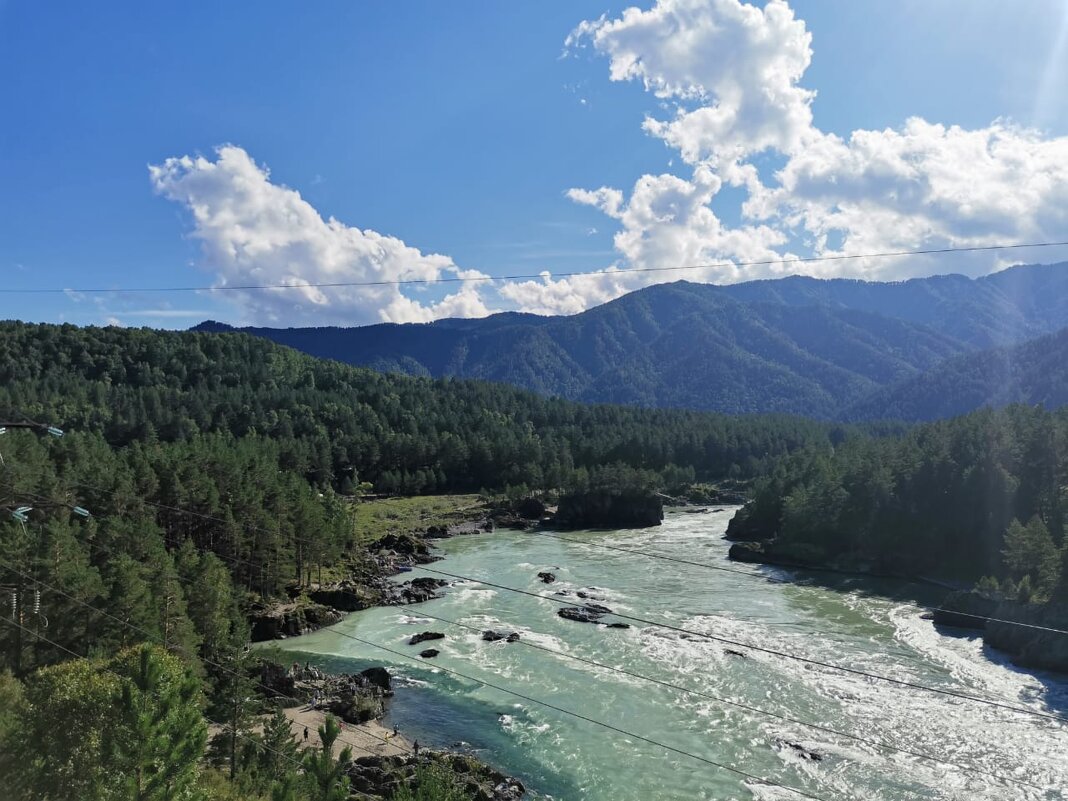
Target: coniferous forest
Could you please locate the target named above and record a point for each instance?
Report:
(219, 471)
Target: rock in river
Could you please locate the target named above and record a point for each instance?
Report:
(547, 577)
(429, 653)
(588, 613)
(425, 636)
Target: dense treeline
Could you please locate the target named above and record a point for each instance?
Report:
(215, 468)
(982, 496)
(338, 425)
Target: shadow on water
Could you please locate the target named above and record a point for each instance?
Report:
(434, 709)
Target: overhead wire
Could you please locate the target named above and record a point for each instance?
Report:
(774, 579)
(747, 707)
(719, 638)
(622, 671)
(696, 633)
(76, 655)
(571, 713)
(533, 276)
(555, 535)
(273, 692)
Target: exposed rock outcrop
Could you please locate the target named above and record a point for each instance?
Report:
(425, 636)
(605, 508)
(380, 777)
(1032, 645)
(291, 620)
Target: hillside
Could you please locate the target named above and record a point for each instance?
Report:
(795, 345)
(337, 425)
(676, 345)
(1035, 373)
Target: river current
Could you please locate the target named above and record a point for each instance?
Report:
(866, 625)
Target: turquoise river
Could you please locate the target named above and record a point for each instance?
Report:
(869, 626)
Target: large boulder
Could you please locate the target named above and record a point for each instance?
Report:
(529, 509)
(425, 636)
(588, 613)
(610, 508)
(378, 677)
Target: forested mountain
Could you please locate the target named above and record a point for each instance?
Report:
(795, 345)
(1002, 308)
(1034, 372)
(336, 425)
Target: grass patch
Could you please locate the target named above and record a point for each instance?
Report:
(374, 519)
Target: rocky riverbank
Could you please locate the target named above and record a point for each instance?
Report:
(383, 758)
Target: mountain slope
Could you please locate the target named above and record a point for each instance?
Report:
(797, 345)
(1035, 373)
(1003, 308)
(674, 345)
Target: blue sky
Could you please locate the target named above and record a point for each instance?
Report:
(458, 129)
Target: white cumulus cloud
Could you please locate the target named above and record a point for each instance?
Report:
(255, 232)
(734, 74)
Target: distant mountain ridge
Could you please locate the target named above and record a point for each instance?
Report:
(821, 348)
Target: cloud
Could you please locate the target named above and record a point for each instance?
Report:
(253, 232)
(734, 68)
(727, 86)
(922, 186)
(733, 74)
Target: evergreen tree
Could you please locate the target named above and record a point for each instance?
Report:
(159, 737)
(325, 772)
(1030, 554)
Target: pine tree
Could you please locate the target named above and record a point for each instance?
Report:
(327, 774)
(160, 735)
(279, 752)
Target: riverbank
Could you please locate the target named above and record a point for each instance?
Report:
(1029, 634)
(397, 534)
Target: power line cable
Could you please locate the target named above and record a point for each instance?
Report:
(272, 691)
(773, 579)
(747, 707)
(770, 651)
(582, 717)
(679, 629)
(124, 678)
(571, 713)
(533, 276)
(706, 695)
(632, 674)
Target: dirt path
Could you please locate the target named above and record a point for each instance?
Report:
(366, 738)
